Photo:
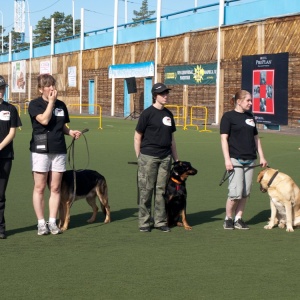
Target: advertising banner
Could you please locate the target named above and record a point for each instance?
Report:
(18, 76)
(191, 74)
(266, 77)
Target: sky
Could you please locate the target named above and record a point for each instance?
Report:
(98, 14)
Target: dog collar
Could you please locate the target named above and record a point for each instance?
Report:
(175, 180)
(272, 178)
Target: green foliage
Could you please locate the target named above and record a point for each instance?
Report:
(63, 27)
(143, 14)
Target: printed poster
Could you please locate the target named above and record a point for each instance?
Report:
(18, 76)
(266, 77)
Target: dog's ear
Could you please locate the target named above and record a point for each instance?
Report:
(177, 163)
(261, 175)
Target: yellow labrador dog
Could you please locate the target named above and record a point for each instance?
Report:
(284, 198)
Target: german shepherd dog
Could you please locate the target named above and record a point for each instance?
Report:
(176, 194)
(89, 184)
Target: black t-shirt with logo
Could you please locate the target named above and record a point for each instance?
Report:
(157, 127)
(54, 129)
(241, 129)
(9, 118)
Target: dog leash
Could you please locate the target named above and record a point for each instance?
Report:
(71, 156)
(227, 173)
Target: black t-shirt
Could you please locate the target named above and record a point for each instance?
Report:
(157, 127)
(54, 129)
(9, 118)
(241, 129)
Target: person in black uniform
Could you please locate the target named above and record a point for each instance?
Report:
(49, 117)
(9, 121)
(240, 145)
(154, 146)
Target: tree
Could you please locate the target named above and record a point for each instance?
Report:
(143, 14)
(16, 41)
(63, 28)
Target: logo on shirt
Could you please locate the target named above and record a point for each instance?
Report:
(250, 122)
(58, 112)
(4, 115)
(167, 121)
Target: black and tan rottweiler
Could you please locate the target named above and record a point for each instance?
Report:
(176, 194)
(89, 184)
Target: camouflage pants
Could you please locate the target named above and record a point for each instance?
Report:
(153, 174)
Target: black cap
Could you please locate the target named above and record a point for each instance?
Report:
(159, 88)
(2, 81)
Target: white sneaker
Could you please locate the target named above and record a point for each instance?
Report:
(43, 229)
(53, 228)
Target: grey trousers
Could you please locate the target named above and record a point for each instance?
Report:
(153, 174)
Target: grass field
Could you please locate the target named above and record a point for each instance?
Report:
(116, 261)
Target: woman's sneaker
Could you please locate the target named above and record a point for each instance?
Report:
(43, 229)
(240, 224)
(53, 228)
(228, 224)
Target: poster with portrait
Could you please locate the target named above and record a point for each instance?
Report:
(266, 77)
(18, 76)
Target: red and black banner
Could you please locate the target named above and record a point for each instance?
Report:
(266, 77)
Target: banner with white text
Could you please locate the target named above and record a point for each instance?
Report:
(191, 74)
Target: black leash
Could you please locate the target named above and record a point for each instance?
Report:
(227, 174)
(71, 158)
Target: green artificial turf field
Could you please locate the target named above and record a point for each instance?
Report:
(116, 261)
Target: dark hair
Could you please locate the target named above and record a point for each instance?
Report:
(45, 80)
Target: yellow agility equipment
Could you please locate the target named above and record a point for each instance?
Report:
(179, 113)
(203, 112)
(88, 116)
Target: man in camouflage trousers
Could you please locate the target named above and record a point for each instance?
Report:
(154, 145)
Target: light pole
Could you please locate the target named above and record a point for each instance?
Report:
(2, 30)
(73, 13)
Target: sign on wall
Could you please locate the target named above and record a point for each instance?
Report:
(191, 74)
(18, 76)
(266, 77)
(72, 76)
(144, 69)
(45, 67)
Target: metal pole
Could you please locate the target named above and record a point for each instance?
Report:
(2, 30)
(158, 17)
(126, 19)
(115, 41)
(221, 22)
(73, 14)
(81, 50)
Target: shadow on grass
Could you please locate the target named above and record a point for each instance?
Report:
(261, 217)
(202, 217)
(80, 220)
